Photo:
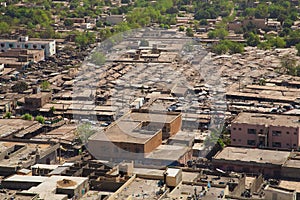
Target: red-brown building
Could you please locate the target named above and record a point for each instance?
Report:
(134, 135)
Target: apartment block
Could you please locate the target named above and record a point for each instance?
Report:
(265, 131)
(24, 43)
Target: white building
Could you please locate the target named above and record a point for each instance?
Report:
(23, 43)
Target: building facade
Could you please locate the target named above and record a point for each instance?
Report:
(265, 131)
(23, 43)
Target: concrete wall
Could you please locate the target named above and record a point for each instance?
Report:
(240, 188)
(175, 125)
(257, 184)
(77, 192)
(153, 143)
(279, 194)
(290, 173)
(14, 185)
(268, 170)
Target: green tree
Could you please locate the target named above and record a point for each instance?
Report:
(68, 22)
(277, 42)
(289, 66)
(27, 117)
(144, 43)
(84, 39)
(7, 115)
(181, 28)
(4, 28)
(84, 131)
(97, 58)
(298, 49)
(189, 32)
(40, 119)
(52, 110)
(220, 33)
(252, 39)
(45, 85)
(219, 49)
(264, 45)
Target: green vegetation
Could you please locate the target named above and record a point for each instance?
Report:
(84, 39)
(38, 21)
(40, 119)
(208, 10)
(275, 42)
(289, 66)
(97, 58)
(7, 115)
(27, 117)
(181, 28)
(144, 43)
(52, 109)
(4, 28)
(84, 131)
(189, 32)
(226, 46)
(252, 39)
(218, 33)
(298, 49)
(45, 85)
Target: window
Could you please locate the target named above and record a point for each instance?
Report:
(251, 131)
(276, 144)
(234, 140)
(43, 46)
(11, 45)
(276, 133)
(295, 133)
(287, 144)
(251, 142)
(34, 46)
(234, 128)
(287, 132)
(240, 129)
(294, 145)
(2, 44)
(26, 46)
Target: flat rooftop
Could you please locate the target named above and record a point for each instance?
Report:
(290, 185)
(47, 189)
(253, 155)
(140, 189)
(293, 161)
(30, 41)
(65, 133)
(23, 156)
(125, 131)
(11, 126)
(183, 192)
(153, 117)
(267, 119)
(167, 152)
(130, 127)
